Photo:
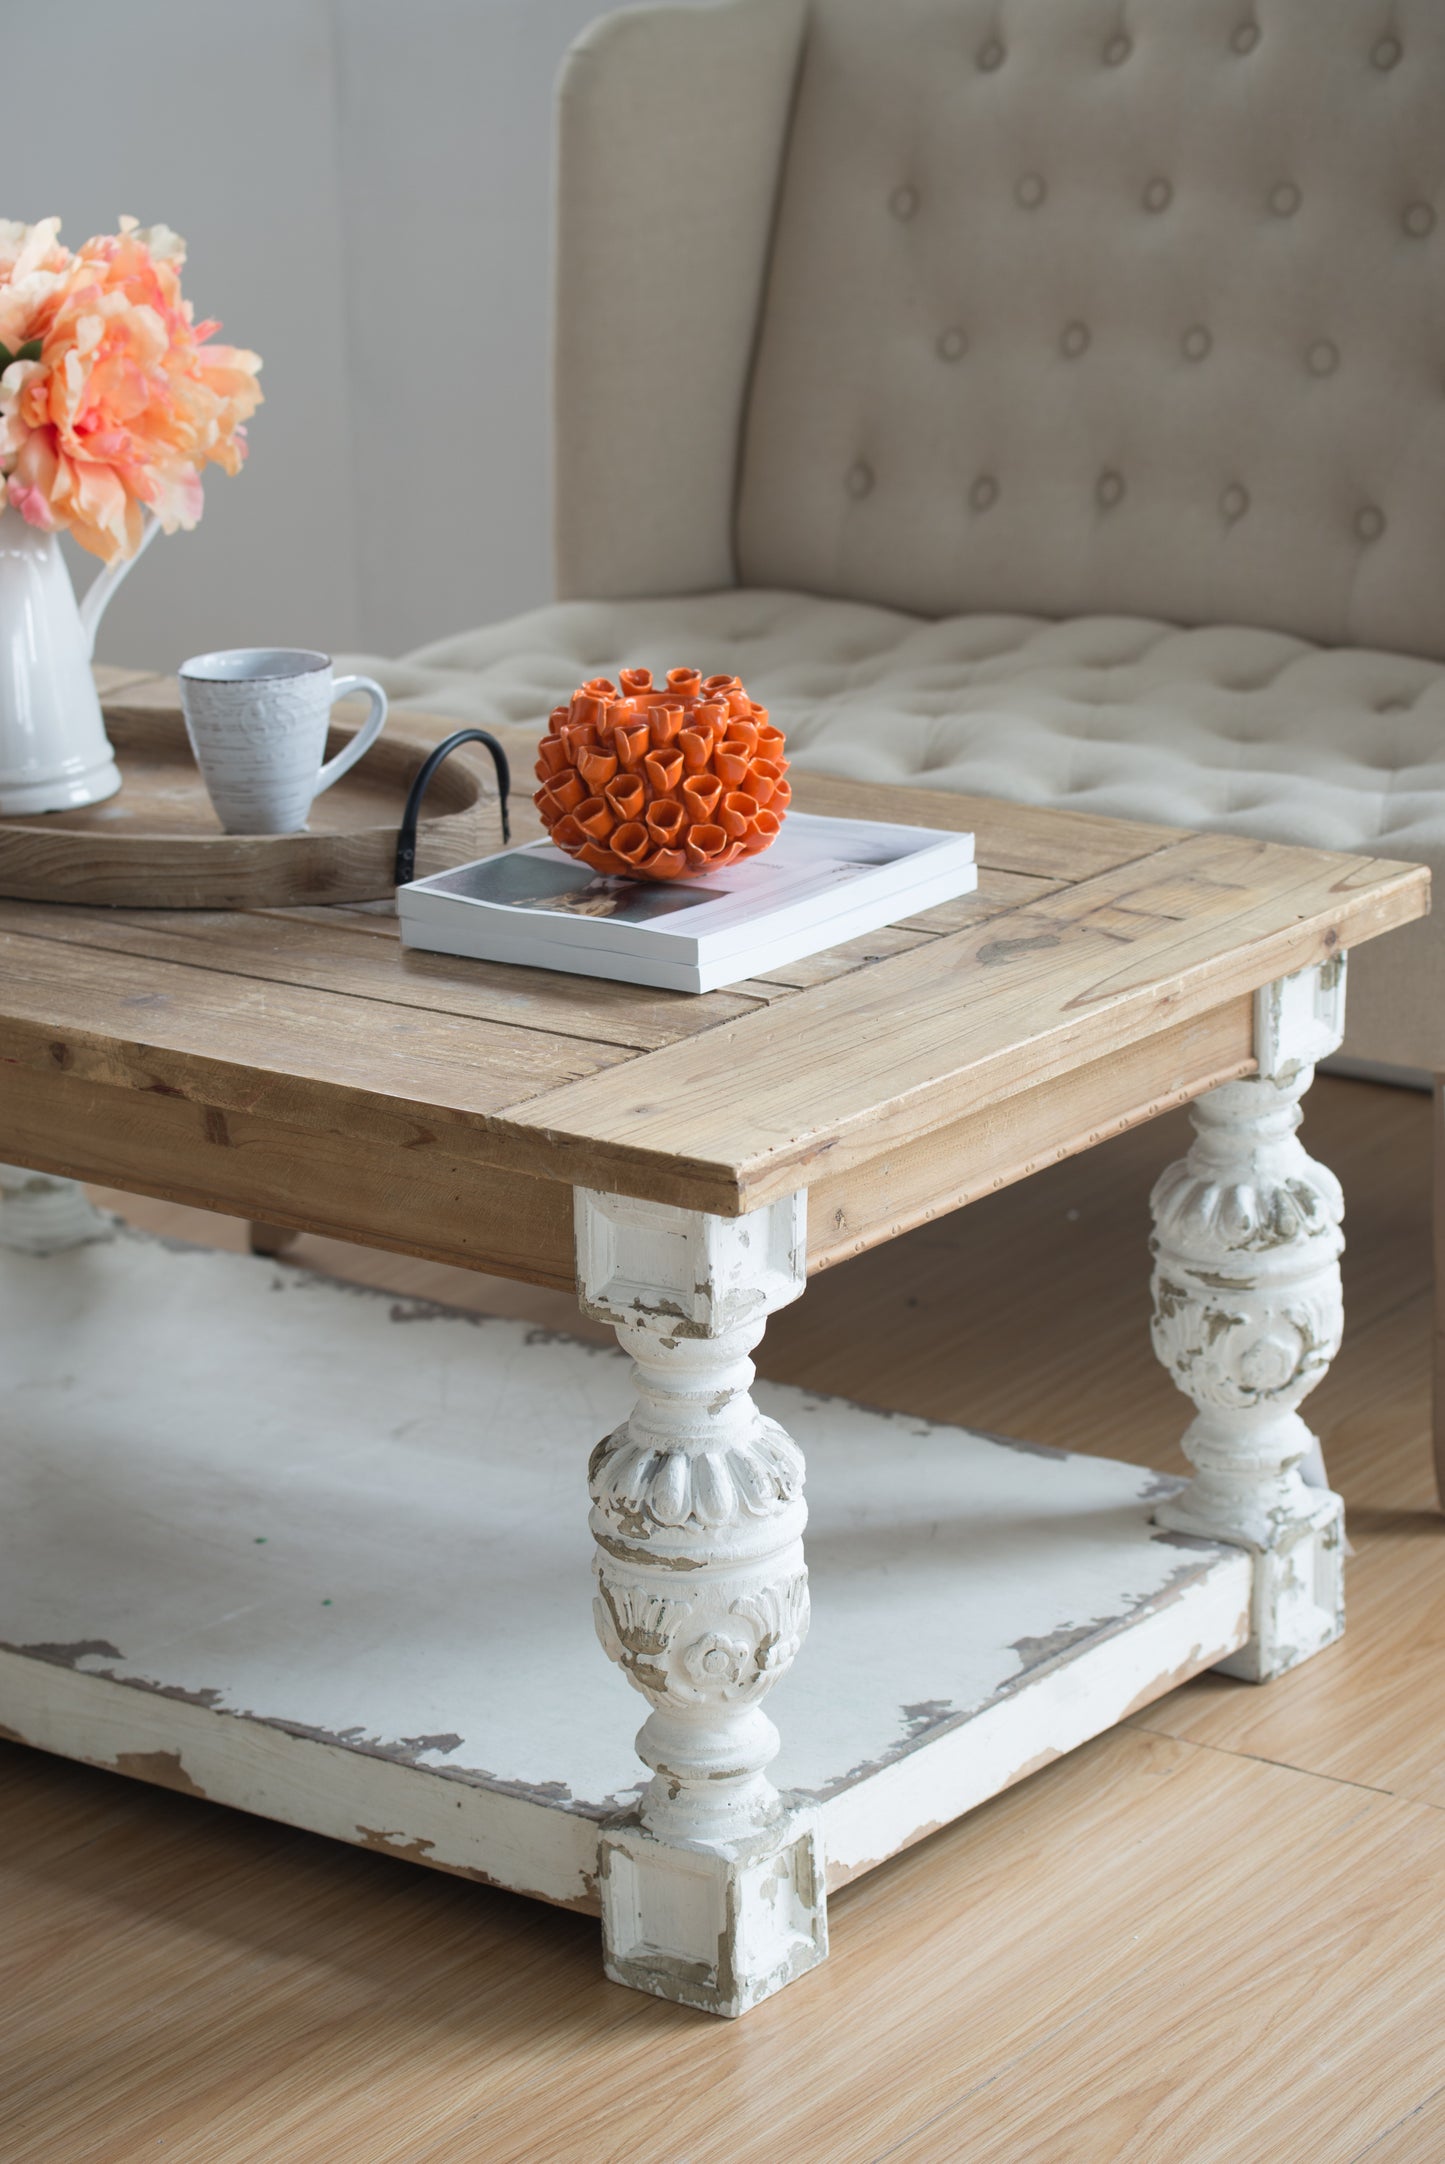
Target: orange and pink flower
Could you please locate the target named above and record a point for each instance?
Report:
(112, 398)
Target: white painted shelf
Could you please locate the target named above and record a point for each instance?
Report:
(324, 1555)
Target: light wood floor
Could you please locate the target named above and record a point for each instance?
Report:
(1212, 1937)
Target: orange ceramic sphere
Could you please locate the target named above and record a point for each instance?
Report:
(661, 782)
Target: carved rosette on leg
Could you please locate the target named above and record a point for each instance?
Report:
(1247, 1318)
(712, 1889)
(42, 1215)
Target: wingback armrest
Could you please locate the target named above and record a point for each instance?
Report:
(671, 127)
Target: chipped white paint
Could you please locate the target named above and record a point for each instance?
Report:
(698, 1273)
(1248, 1314)
(41, 1215)
(712, 1887)
(1300, 1020)
(320, 1554)
(1054, 1704)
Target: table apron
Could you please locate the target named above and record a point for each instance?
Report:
(1006, 1140)
(418, 1201)
(436, 1203)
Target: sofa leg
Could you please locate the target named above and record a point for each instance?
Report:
(263, 1239)
(1437, 1366)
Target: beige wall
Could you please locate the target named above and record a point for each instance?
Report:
(365, 189)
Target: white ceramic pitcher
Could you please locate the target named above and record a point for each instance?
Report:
(54, 752)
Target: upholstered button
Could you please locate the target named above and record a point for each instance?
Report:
(1386, 54)
(1196, 343)
(1158, 195)
(952, 345)
(1109, 490)
(1323, 357)
(984, 492)
(1369, 523)
(1117, 51)
(990, 56)
(1074, 341)
(1031, 191)
(903, 202)
(1285, 199)
(1419, 220)
(1245, 38)
(1234, 502)
(860, 479)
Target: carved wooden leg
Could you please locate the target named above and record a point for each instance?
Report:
(1248, 1316)
(40, 1215)
(713, 1891)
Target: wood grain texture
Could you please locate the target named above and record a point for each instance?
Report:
(234, 1042)
(374, 1186)
(159, 843)
(1011, 837)
(1087, 937)
(1249, 1944)
(852, 1210)
(858, 1065)
(331, 951)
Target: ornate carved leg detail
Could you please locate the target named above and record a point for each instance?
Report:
(40, 1215)
(1247, 1318)
(713, 1890)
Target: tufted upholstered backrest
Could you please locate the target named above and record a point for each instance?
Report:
(1130, 306)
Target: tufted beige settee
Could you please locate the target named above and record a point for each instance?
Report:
(1045, 398)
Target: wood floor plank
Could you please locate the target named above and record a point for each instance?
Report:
(1419, 2138)
(165, 2003)
(1233, 2069)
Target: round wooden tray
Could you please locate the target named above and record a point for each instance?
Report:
(159, 845)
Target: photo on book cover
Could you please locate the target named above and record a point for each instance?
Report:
(550, 883)
(809, 856)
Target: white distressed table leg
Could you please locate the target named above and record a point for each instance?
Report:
(713, 1891)
(40, 1215)
(1247, 1318)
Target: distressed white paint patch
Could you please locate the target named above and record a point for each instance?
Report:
(354, 1518)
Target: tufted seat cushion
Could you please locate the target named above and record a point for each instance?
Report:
(1242, 730)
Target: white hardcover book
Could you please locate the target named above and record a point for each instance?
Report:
(821, 882)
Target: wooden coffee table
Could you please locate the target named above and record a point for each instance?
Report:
(686, 1163)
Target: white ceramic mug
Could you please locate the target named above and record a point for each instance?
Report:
(257, 718)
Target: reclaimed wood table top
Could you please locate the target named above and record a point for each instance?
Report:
(298, 1065)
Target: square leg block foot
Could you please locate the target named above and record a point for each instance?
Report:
(1298, 1603)
(716, 1928)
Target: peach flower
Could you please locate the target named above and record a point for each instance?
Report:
(112, 398)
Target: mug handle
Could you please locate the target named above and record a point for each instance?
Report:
(365, 736)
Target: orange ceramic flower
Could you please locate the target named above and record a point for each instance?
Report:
(661, 782)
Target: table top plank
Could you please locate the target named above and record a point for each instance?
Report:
(345, 950)
(140, 1023)
(1085, 936)
(286, 947)
(1027, 838)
